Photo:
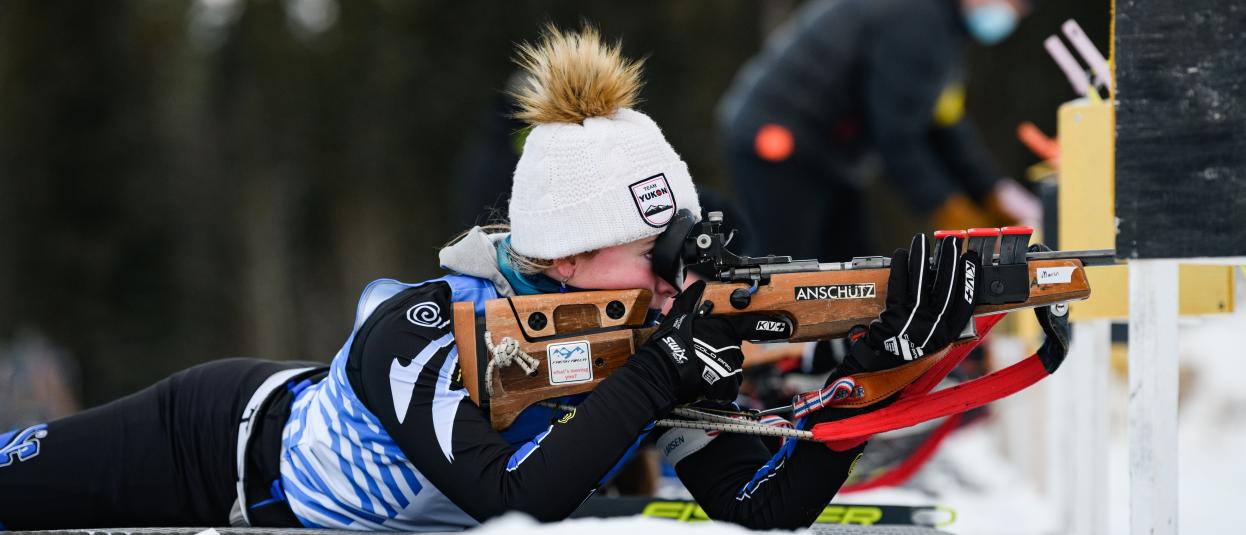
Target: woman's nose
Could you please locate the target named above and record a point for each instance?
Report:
(665, 290)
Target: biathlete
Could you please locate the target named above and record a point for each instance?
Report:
(386, 437)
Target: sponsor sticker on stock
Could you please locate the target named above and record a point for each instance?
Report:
(1054, 275)
(569, 362)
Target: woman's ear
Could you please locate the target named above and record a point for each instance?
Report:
(565, 268)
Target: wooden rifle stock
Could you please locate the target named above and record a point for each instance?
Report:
(593, 333)
(608, 325)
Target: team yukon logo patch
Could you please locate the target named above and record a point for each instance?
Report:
(569, 362)
(654, 200)
(835, 291)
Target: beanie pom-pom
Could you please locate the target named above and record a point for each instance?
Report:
(572, 77)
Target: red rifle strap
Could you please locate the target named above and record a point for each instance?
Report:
(913, 378)
(916, 391)
(931, 378)
(946, 402)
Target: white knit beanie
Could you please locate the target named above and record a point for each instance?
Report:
(594, 173)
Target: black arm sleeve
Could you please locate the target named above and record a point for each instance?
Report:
(450, 440)
(735, 478)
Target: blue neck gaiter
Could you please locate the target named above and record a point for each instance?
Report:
(524, 284)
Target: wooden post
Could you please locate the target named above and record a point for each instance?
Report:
(1153, 397)
(1078, 441)
(1078, 435)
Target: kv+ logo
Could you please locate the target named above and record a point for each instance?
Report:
(970, 273)
(771, 326)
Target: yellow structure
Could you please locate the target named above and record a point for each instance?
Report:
(1087, 136)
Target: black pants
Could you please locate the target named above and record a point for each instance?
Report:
(799, 208)
(164, 456)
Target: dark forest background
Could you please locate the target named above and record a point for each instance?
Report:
(183, 181)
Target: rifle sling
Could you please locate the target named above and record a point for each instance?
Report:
(946, 402)
(917, 405)
(880, 385)
(917, 376)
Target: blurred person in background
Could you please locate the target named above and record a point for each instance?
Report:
(844, 83)
(386, 437)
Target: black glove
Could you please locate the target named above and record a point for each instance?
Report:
(1054, 319)
(704, 350)
(927, 307)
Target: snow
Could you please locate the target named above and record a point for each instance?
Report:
(518, 524)
(970, 475)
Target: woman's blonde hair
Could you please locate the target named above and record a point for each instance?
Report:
(523, 264)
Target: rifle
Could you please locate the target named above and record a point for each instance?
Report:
(569, 342)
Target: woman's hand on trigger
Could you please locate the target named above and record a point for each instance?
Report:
(704, 350)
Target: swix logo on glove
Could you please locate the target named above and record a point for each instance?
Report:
(677, 351)
(970, 272)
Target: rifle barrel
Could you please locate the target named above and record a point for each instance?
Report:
(1089, 257)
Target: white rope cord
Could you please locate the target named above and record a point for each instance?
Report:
(505, 353)
(715, 422)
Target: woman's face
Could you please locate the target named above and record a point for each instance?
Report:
(621, 267)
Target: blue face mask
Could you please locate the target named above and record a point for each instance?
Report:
(991, 23)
